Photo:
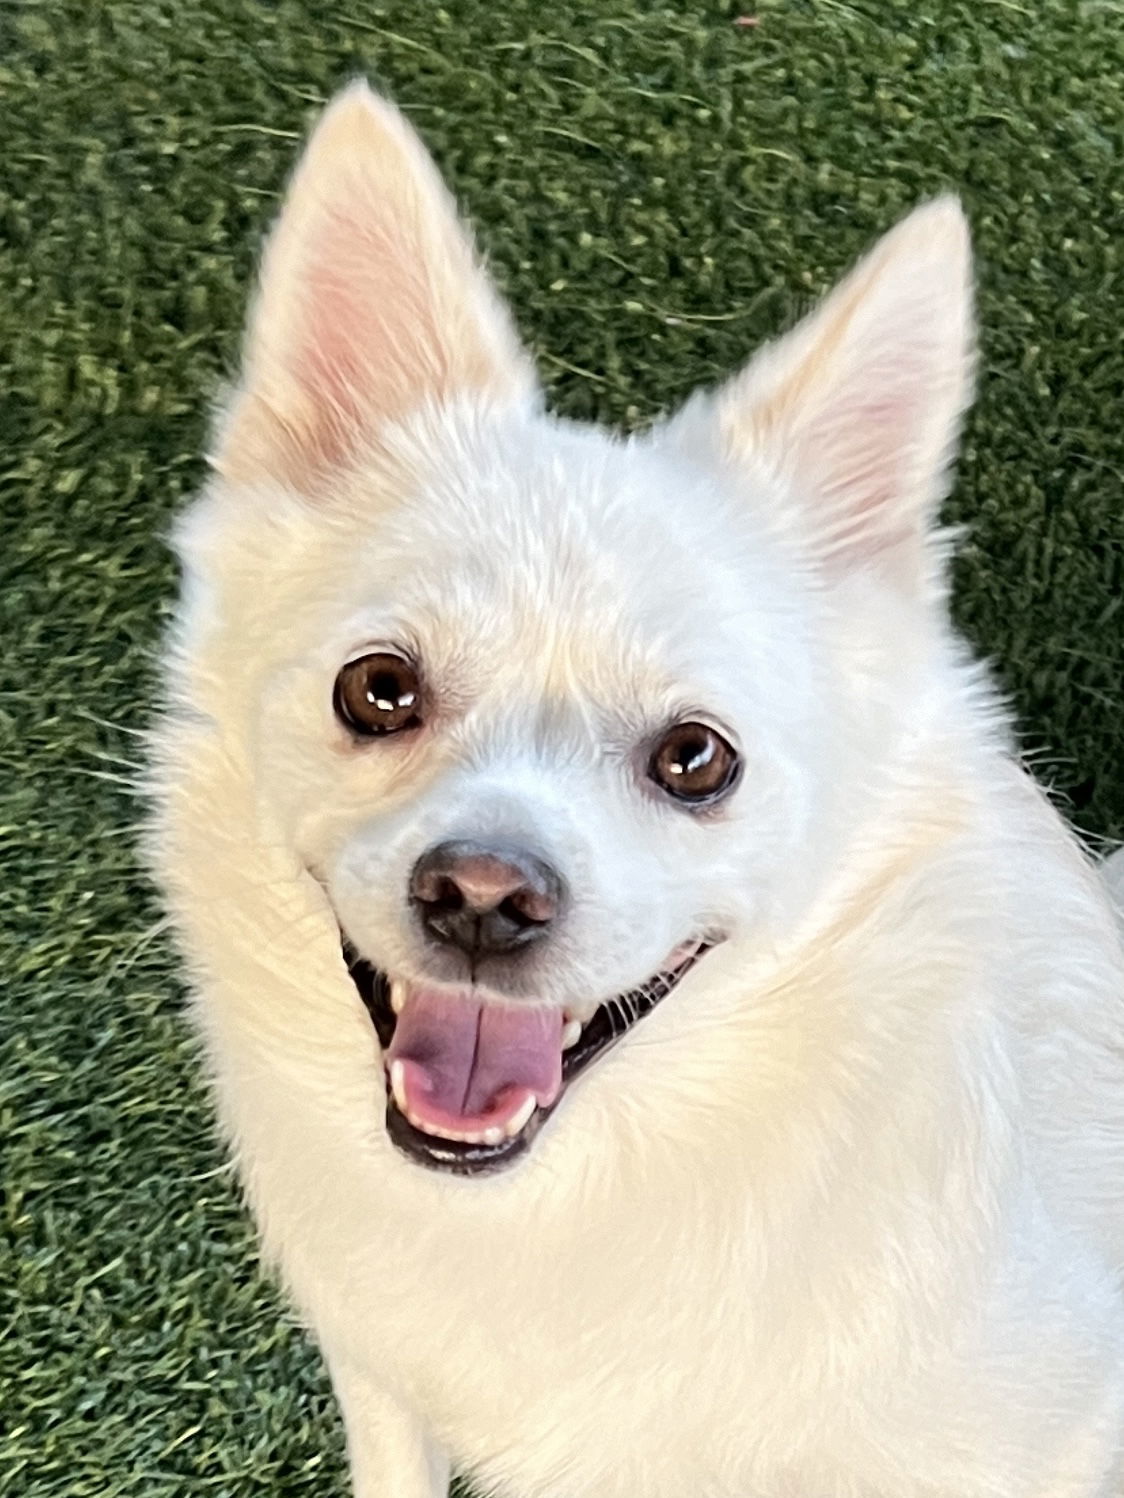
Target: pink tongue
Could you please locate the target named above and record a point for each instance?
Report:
(468, 1064)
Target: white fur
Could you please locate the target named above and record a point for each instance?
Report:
(845, 1214)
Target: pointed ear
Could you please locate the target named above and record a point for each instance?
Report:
(371, 304)
(859, 407)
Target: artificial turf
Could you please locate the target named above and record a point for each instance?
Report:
(658, 187)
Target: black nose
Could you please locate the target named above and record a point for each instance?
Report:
(484, 898)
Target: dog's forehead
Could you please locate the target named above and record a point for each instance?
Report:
(543, 518)
(540, 559)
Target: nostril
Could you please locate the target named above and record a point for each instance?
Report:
(447, 896)
(512, 911)
(435, 889)
(528, 907)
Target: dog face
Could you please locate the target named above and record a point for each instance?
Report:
(560, 723)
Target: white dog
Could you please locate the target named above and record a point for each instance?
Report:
(671, 1047)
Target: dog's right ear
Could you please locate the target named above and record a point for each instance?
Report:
(857, 408)
(371, 305)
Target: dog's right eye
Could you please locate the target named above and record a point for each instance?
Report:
(694, 764)
(378, 694)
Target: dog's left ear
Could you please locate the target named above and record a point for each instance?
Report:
(371, 305)
(858, 408)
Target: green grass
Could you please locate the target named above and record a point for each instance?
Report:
(658, 189)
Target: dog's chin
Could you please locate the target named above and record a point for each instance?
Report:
(506, 1128)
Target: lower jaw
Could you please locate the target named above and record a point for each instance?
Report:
(454, 1156)
(457, 1157)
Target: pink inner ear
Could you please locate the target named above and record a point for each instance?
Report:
(861, 455)
(336, 357)
(366, 350)
(329, 365)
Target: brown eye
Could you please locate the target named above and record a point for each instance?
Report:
(694, 763)
(378, 694)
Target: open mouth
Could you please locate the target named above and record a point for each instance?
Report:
(470, 1082)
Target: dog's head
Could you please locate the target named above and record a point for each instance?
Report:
(559, 722)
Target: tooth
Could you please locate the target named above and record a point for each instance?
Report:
(398, 1085)
(571, 1033)
(494, 1135)
(428, 1128)
(518, 1120)
(397, 995)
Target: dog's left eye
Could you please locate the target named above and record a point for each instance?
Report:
(694, 763)
(378, 694)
